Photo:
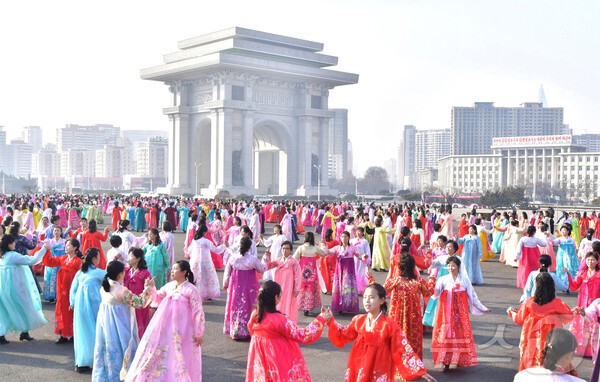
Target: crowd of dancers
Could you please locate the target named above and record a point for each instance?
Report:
(135, 313)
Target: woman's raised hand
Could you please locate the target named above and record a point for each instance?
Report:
(149, 283)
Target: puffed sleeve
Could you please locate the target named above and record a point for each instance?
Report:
(340, 335)
(197, 310)
(29, 260)
(407, 364)
(135, 301)
(158, 295)
(311, 333)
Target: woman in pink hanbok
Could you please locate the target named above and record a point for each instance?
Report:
(189, 235)
(542, 228)
(447, 225)
(171, 347)
(307, 218)
(242, 287)
(307, 254)
(202, 265)
(274, 354)
(61, 211)
(287, 274)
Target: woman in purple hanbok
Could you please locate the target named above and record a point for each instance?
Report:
(344, 296)
(242, 288)
(171, 347)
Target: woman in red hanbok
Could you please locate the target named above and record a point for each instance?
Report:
(588, 283)
(327, 264)
(405, 291)
(92, 238)
(528, 255)
(380, 351)
(452, 339)
(274, 354)
(69, 265)
(539, 315)
(463, 229)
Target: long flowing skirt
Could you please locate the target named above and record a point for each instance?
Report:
(327, 270)
(527, 264)
(241, 298)
(452, 339)
(344, 297)
(485, 246)
(310, 296)
(50, 283)
(116, 343)
(566, 257)
(209, 280)
(583, 331)
(497, 243)
(87, 304)
(20, 304)
(432, 303)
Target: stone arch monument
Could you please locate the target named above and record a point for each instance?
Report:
(249, 113)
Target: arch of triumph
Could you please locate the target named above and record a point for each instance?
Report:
(249, 113)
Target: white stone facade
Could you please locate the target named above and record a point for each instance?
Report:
(251, 110)
(523, 161)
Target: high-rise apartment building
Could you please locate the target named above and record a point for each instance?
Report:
(18, 159)
(473, 128)
(86, 137)
(112, 162)
(45, 163)
(151, 158)
(77, 163)
(591, 142)
(2, 149)
(406, 156)
(33, 136)
(338, 144)
(136, 138)
(430, 146)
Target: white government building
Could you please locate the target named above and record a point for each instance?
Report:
(520, 161)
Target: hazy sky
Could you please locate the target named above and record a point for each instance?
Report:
(79, 61)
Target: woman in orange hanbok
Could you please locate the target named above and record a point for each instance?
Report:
(463, 229)
(405, 291)
(539, 315)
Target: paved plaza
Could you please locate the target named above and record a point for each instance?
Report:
(224, 360)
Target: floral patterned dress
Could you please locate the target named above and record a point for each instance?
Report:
(344, 297)
(274, 353)
(203, 267)
(310, 296)
(380, 353)
(167, 352)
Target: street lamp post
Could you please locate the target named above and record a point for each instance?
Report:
(318, 167)
(196, 165)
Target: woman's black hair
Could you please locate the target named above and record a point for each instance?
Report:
(113, 269)
(13, 229)
(156, 235)
(184, 265)
(167, 226)
(309, 237)
(455, 260)
(559, 342)
(418, 224)
(200, 232)
(405, 244)
(139, 253)
(407, 266)
(278, 226)
(77, 245)
(545, 290)
(453, 243)
(378, 221)
(265, 301)
(474, 227)
(568, 227)
(590, 234)
(123, 224)
(5, 241)
(245, 245)
(381, 293)
(545, 262)
(90, 254)
(328, 234)
(116, 241)
(287, 242)
(92, 226)
(245, 229)
(531, 231)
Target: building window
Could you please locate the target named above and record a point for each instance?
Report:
(315, 102)
(237, 93)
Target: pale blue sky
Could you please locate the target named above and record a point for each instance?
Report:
(70, 62)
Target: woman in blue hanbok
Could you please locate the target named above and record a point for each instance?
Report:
(116, 329)
(472, 252)
(499, 235)
(20, 304)
(57, 245)
(85, 302)
(566, 256)
(140, 218)
(184, 215)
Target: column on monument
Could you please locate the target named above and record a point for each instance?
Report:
(224, 152)
(179, 161)
(304, 152)
(247, 147)
(509, 168)
(214, 117)
(324, 150)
